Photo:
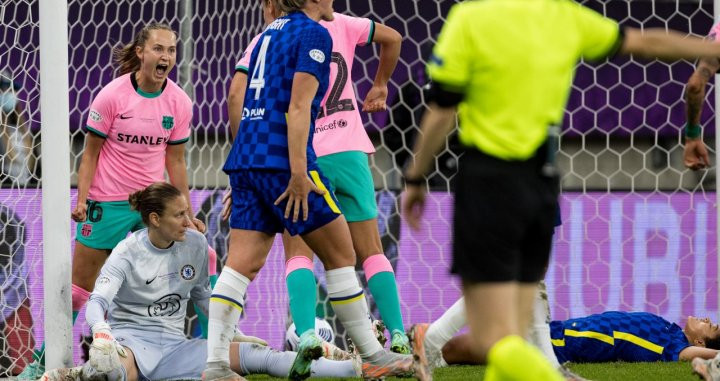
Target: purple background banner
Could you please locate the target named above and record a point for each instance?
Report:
(635, 252)
(626, 251)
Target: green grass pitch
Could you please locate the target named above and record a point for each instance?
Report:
(599, 372)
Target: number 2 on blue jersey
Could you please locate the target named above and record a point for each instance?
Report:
(257, 81)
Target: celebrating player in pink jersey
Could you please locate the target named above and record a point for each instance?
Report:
(342, 147)
(264, 150)
(138, 125)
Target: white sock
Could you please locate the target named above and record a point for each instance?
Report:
(348, 302)
(539, 332)
(447, 325)
(259, 359)
(225, 309)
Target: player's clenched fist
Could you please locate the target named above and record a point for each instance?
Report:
(695, 155)
(79, 214)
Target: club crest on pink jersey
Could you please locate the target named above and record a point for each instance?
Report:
(86, 230)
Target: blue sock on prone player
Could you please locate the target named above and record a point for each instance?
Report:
(302, 292)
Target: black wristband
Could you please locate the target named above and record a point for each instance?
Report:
(416, 181)
(443, 95)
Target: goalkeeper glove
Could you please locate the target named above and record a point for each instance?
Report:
(104, 341)
(105, 349)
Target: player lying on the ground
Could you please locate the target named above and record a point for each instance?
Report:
(144, 288)
(609, 336)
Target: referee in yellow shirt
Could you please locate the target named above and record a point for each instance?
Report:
(506, 66)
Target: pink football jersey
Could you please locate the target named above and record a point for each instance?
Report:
(714, 31)
(244, 62)
(137, 128)
(338, 127)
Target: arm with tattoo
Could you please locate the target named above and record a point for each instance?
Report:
(695, 89)
(695, 154)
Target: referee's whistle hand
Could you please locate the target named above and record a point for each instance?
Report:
(413, 205)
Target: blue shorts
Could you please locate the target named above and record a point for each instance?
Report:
(255, 191)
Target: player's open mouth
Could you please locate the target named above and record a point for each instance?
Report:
(161, 69)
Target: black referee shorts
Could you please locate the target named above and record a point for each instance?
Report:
(505, 213)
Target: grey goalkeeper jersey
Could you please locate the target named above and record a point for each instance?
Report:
(144, 287)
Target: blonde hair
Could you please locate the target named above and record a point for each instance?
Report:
(287, 6)
(125, 57)
(277, 12)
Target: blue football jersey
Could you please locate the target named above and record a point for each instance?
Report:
(617, 336)
(290, 44)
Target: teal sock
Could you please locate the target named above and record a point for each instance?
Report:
(303, 294)
(202, 319)
(384, 290)
(39, 354)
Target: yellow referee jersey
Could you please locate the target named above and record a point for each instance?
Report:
(514, 62)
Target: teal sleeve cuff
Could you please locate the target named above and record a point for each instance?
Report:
(96, 132)
(692, 131)
(176, 142)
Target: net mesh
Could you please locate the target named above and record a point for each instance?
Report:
(639, 231)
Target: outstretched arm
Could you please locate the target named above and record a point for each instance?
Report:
(695, 155)
(666, 45)
(691, 352)
(695, 89)
(390, 41)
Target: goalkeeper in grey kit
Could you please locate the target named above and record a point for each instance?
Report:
(144, 288)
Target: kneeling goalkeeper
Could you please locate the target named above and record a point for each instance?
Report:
(144, 287)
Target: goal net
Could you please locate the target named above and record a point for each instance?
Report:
(639, 230)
